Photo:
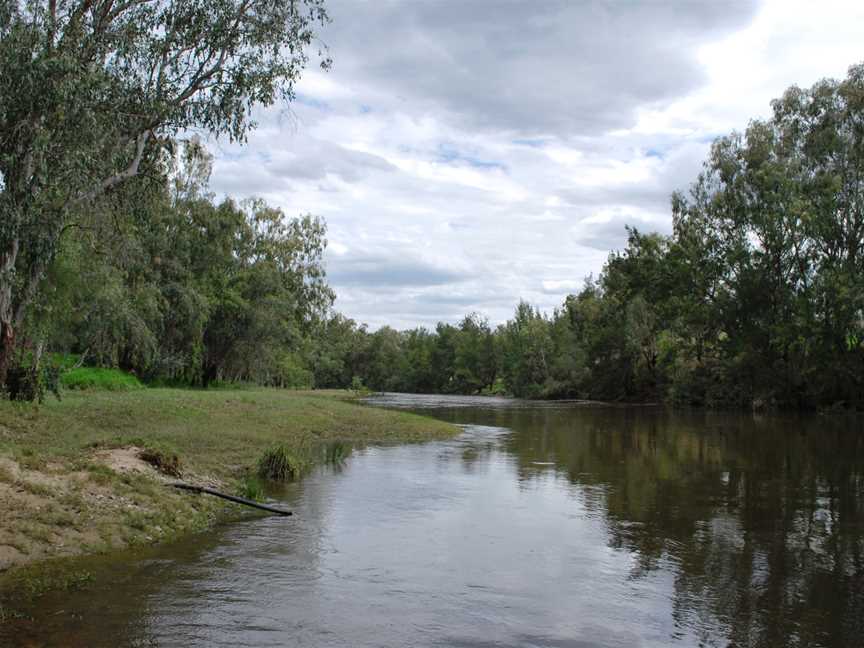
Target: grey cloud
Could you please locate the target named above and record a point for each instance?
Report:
(299, 158)
(647, 196)
(317, 159)
(612, 234)
(681, 165)
(404, 309)
(385, 273)
(473, 101)
(533, 68)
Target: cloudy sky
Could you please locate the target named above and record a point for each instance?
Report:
(466, 154)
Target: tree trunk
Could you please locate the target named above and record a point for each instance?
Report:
(7, 327)
(7, 349)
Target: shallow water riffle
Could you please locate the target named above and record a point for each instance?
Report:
(551, 524)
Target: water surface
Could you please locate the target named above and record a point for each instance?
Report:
(554, 524)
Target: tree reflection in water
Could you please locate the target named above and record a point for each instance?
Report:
(761, 520)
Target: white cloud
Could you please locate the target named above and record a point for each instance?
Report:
(465, 157)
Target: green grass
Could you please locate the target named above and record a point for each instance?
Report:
(220, 436)
(98, 378)
(251, 488)
(51, 575)
(215, 432)
(280, 463)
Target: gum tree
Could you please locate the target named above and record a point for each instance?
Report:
(92, 91)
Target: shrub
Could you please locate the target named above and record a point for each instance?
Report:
(99, 378)
(359, 388)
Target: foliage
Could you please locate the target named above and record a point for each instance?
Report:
(99, 378)
(32, 383)
(185, 291)
(93, 96)
(358, 388)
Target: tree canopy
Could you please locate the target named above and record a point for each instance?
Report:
(93, 92)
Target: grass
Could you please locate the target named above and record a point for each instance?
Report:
(98, 378)
(51, 575)
(280, 463)
(215, 432)
(251, 488)
(60, 499)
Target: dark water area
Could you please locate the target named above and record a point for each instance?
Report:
(543, 524)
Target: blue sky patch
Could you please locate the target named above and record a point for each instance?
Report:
(447, 153)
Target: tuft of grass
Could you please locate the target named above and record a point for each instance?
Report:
(279, 463)
(100, 379)
(101, 474)
(251, 488)
(34, 488)
(58, 517)
(8, 614)
(37, 531)
(33, 581)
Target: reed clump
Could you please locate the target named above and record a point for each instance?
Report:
(280, 463)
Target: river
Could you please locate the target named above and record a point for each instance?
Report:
(562, 525)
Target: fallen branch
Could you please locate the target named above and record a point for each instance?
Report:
(231, 498)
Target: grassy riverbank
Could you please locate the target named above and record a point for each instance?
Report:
(72, 480)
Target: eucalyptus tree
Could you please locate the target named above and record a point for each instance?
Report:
(93, 91)
(777, 222)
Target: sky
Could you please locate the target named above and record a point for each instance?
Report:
(469, 154)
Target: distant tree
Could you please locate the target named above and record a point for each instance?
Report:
(475, 361)
(526, 352)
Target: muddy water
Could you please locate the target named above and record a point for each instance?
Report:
(559, 525)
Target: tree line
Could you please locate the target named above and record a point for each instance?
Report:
(113, 247)
(756, 299)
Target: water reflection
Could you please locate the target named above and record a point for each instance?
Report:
(558, 525)
(761, 519)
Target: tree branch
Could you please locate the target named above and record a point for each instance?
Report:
(129, 172)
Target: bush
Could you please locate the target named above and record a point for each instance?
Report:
(98, 378)
(359, 388)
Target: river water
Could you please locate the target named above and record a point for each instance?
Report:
(562, 525)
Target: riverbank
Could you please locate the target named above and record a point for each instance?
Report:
(73, 480)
